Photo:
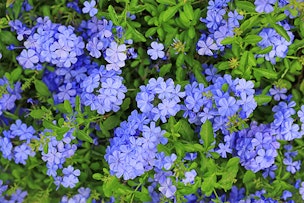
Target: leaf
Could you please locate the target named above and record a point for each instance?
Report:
(97, 176)
(111, 122)
(15, 74)
(132, 33)
(228, 40)
(83, 136)
(206, 134)
(209, 184)
(167, 2)
(269, 74)
(125, 105)
(245, 5)
(189, 10)
(67, 106)
(265, 51)
(77, 104)
(281, 31)
(113, 15)
(243, 61)
(229, 174)
(41, 88)
(249, 23)
(165, 69)
(8, 38)
(262, 99)
(151, 31)
(224, 65)
(169, 13)
(249, 180)
(37, 113)
(252, 39)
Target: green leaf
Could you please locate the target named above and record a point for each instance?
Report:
(61, 131)
(245, 5)
(132, 33)
(111, 122)
(41, 88)
(262, 99)
(249, 23)
(265, 51)
(113, 15)
(224, 65)
(97, 176)
(8, 37)
(228, 40)
(191, 32)
(126, 103)
(170, 12)
(15, 74)
(206, 134)
(67, 106)
(229, 174)
(78, 104)
(252, 39)
(151, 31)
(83, 136)
(261, 72)
(243, 61)
(249, 180)
(189, 10)
(37, 113)
(281, 31)
(209, 184)
(165, 69)
(167, 2)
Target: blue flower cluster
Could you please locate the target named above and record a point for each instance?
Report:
(48, 42)
(9, 94)
(279, 44)
(291, 165)
(284, 125)
(256, 146)
(159, 99)
(82, 196)
(102, 42)
(220, 25)
(165, 179)
(55, 153)
(100, 87)
(18, 133)
(133, 149)
(220, 102)
(18, 195)
(103, 90)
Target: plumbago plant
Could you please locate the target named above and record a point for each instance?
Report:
(151, 101)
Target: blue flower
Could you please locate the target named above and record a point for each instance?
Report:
(206, 47)
(94, 46)
(228, 107)
(89, 8)
(66, 92)
(278, 93)
(264, 5)
(234, 18)
(116, 56)
(18, 196)
(189, 177)
(28, 58)
(22, 152)
(156, 51)
(167, 188)
(224, 149)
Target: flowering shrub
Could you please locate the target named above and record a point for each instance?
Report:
(151, 101)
